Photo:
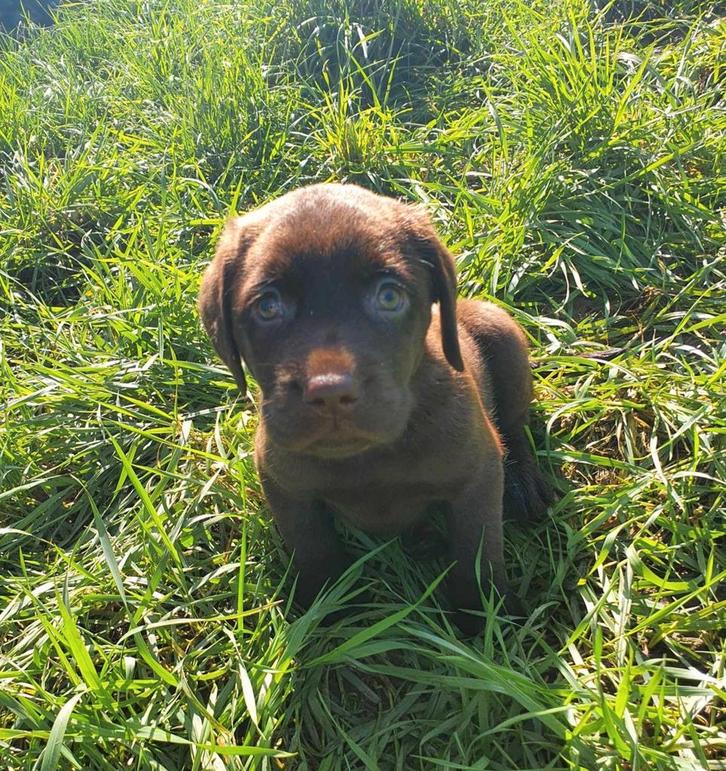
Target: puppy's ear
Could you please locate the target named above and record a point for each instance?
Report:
(443, 274)
(215, 295)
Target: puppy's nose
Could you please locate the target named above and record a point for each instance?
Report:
(333, 390)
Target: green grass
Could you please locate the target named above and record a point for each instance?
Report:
(574, 162)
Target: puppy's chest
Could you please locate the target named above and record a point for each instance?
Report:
(389, 497)
(383, 510)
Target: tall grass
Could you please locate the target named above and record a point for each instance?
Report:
(573, 160)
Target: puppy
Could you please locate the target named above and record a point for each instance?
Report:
(380, 396)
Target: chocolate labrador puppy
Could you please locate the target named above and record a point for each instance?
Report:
(380, 395)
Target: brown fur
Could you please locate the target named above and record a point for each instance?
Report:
(367, 415)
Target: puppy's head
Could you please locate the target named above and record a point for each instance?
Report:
(326, 295)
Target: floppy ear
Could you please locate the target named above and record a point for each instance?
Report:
(215, 296)
(443, 275)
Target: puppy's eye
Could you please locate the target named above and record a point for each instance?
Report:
(390, 298)
(269, 306)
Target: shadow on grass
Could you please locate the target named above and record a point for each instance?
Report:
(394, 672)
(14, 12)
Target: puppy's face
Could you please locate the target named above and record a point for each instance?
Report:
(326, 295)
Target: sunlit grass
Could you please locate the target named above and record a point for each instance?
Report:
(574, 163)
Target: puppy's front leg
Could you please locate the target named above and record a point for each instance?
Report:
(474, 519)
(308, 530)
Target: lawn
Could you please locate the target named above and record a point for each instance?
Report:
(572, 159)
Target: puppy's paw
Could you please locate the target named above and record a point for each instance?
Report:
(312, 579)
(513, 606)
(468, 623)
(472, 610)
(526, 493)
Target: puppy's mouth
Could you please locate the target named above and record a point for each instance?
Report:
(339, 443)
(329, 450)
